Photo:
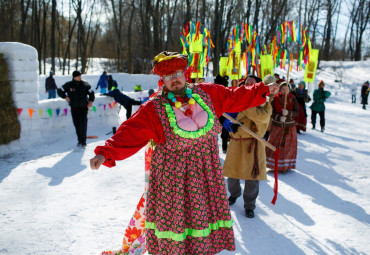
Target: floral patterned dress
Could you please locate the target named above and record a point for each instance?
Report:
(187, 210)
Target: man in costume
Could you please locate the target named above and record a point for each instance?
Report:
(187, 210)
(246, 158)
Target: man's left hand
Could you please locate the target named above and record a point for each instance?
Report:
(89, 104)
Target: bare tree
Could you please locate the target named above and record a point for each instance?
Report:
(359, 21)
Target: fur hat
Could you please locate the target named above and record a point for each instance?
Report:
(166, 63)
(269, 79)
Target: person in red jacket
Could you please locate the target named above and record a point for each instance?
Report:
(187, 210)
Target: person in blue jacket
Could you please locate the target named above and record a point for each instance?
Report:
(124, 100)
(102, 83)
(318, 106)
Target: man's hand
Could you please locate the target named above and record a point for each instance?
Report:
(67, 99)
(284, 112)
(273, 88)
(89, 104)
(96, 161)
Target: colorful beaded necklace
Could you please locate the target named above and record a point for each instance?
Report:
(180, 101)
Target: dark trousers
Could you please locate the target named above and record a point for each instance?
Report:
(353, 98)
(322, 118)
(224, 138)
(128, 107)
(79, 117)
(250, 193)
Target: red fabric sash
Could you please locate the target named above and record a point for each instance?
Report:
(276, 154)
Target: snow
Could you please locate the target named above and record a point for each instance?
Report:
(51, 202)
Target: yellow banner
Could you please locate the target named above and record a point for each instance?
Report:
(310, 69)
(196, 45)
(197, 75)
(234, 66)
(267, 65)
(223, 66)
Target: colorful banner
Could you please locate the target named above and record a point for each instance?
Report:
(224, 71)
(234, 66)
(267, 65)
(310, 69)
(196, 42)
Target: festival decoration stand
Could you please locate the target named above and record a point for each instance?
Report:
(239, 36)
(196, 42)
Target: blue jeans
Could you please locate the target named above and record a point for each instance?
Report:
(52, 93)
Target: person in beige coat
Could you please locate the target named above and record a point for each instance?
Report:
(246, 158)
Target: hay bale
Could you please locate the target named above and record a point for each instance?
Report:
(10, 128)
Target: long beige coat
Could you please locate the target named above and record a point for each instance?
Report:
(239, 161)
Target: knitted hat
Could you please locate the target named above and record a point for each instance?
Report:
(138, 88)
(321, 82)
(366, 82)
(76, 74)
(166, 63)
(302, 83)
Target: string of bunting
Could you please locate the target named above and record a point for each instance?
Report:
(58, 111)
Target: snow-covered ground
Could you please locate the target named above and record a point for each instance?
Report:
(52, 203)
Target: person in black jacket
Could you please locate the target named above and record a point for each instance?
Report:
(364, 94)
(80, 96)
(50, 86)
(124, 100)
(111, 83)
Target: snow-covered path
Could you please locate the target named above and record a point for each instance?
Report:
(52, 203)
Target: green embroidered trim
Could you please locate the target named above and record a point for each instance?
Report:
(191, 134)
(188, 231)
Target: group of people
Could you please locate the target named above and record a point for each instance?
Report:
(80, 97)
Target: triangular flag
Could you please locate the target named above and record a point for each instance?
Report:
(19, 111)
(110, 105)
(30, 112)
(104, 107)
(50, 111)
(57, 111)
(94, 108)
(114, 104)
(65, 111)
(40, 112)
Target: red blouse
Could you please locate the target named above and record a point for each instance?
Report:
(144, 124)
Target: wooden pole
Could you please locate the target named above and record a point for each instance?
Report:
(287, 82)
(249, 132)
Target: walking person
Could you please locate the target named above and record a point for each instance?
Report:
(301, 94)
(102, 83)
(246, 157)
(79, 96)
(318, 106)
(283, 133)
(51, 86)
(354, 93)
(187, 210)
(364, 94)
